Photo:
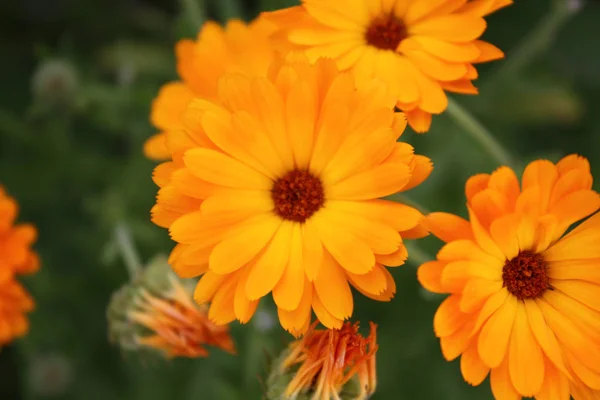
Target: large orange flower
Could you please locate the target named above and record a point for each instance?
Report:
(276, 188)
(236, 48)
(419, 48)
(524, 296)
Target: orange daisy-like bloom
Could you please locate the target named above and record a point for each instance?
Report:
(238, 47)
(418, 47)
(329, 359)
(16, 256)
(15, 302)
(178, 327)
(276, 187)
(524, 296)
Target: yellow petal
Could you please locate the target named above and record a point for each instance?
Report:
(225, 200)
(483, 238)
(504, 233)
(555, 386)
(580, 243)
(541, 173)
(323, 315)
(399, 216)
(525, 360)
(430, 276)
(373, 282)
(312, 250)
(448, 318)
(221, 169)
(575, 207)
(243, 307)
(379, 181)
(301, 117)
(495, 333)
(473, 369)
(270, 265)
(448, 227)
(207, 286)
(221, 309)
(585, 270)
(288, 292)
(155, 147)
(333, 290)
(419, 120)
(454, 28)
(352, 253)
(476, 292)
(237, 250)
(502, 387)
(456, 52)
(294, 321)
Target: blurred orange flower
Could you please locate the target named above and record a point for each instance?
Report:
(16, 257)
(326, 360)
(238, 47)
(419, 48)
(15, 302)
(524, 302)
(177, 326)
(276, 188)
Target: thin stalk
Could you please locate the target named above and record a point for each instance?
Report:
(416, 255)
(128, 251)
(538, 40)
(480, 133)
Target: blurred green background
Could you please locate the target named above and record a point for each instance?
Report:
(77, 80)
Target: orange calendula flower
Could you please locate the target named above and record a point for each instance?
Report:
(16, 256)
(524, 302)
(330, 364)
(420, 48)
(276, 189)
(15, 302)
(238, 47)
(156, 312)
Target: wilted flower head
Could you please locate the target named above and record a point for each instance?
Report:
(327, 364)
(156, 312)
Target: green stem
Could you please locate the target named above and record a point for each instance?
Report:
(537, 41)
(480, 133)
(416, 255)
(128, 251)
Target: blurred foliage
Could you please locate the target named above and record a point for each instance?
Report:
(77, 83)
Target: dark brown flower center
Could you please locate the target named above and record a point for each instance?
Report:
(525, 276)
(386, 33)
(297, 195)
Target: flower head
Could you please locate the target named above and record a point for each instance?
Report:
(237, 47)
(157, 313)
(16, 255)
(275, 188)
(329, 364)
(524, 294)
(419, 48)
(15, 302)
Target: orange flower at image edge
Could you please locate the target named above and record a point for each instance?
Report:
(16, 257)
(276, 189)
(420, 48)
(524, 300)
(238, 47)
